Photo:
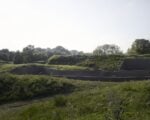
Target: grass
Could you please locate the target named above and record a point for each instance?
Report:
(25, 87)
(110, 62)
(8, 67)
(68, 67)
(85, 100)
(92, 101)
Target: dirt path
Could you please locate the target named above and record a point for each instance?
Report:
(97, 75)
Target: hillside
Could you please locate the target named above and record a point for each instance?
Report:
(30, 92)
(76, 72)
(91, 101)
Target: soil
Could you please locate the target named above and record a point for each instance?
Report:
(121, 75)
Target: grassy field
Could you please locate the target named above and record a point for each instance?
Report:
(90, 101)
(43, 97)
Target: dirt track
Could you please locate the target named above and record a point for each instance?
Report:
(84, 74)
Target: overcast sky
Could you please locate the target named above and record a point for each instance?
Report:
(74, 24)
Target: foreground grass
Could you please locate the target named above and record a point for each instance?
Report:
(27, 87)
(95, 101)
(23, 87)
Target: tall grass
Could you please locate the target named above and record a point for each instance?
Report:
(124, 101)
(15, 87)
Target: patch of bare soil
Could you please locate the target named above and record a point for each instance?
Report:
(122, 75)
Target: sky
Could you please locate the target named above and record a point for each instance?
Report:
(74, 24)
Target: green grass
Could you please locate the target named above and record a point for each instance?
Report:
(25, 87)
(92, 101)
(110, 62)
(85, 100)
(8, 67)
(68, 67)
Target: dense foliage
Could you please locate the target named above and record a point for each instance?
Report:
(88, 100)
(13, 87)
(107, 49)
(30, 54)
(140, 46)
(66, 60)
(109, 62)
(102, 101)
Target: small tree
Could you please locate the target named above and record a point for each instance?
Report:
(107, 49)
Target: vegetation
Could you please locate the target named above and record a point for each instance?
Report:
(66, 60)
(18, 58)
(140, 46)
(30, 54)
(62, 56)
(109, 62)
(13, 87)
(63, 99)
(68, 67)
(6, 68)
(112, 62)
(107, 49)
(105, 101)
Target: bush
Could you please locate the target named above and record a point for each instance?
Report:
(106, 62)
(66, 60)
(13, 87)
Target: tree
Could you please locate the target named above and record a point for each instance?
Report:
(28, 54)
(140, 46)
(40, 54)
(4, 54)
(59, 50)
(18, 59)
(67, 59)
(107, 49)
(11, 55)
(74, 52)
(48, 52)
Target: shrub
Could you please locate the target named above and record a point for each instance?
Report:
(66, 60)
(13, 87)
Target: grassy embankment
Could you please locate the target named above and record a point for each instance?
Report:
(8, 67)
(92, 101)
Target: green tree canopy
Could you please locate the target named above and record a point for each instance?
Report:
(140, 46)
(107, 49)
(18, 58)
(59, 50)
(28, 54)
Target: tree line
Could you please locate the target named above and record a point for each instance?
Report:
(31, 54)
(138, 47)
